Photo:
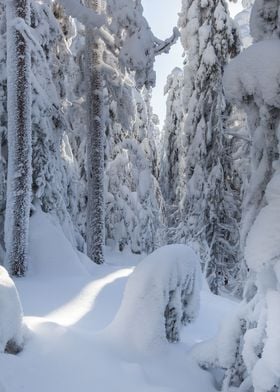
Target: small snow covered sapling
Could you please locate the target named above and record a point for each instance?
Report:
(11, 339)
(160, 297)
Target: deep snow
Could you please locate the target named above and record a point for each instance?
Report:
(66, 348)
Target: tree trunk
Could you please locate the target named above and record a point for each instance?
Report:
(95, 143)
(19, 137)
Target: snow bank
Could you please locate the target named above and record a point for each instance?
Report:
(51, 254)
(253, 73)
(10, 315)
(161, 295)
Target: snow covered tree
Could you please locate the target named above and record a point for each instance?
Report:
(134, 205)
(172, 131)
(130, 125)
(209, 39)
(252, 82)
(58, 111)
(54, 178)
(19, 136)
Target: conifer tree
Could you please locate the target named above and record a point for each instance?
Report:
(128, 116)
(250, 363)
(209, 39)
(172, 132)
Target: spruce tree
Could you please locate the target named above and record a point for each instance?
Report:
(209, 39)
(172, 131)
(251, 361)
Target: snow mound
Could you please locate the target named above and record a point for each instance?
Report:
(51, 253)
(161, 295)
(253, 73)
(10, 315)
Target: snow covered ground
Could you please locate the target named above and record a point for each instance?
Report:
(68, 302)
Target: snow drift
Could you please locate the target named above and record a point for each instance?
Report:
(11, 338)
(50, 252)
(161, 295)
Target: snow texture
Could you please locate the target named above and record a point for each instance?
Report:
(11, 337)
(161, 295)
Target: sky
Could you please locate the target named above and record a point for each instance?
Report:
(162, 16)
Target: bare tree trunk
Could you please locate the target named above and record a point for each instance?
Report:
(95, 143)
(19, 137)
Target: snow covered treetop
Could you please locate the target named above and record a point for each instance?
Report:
(255, 73)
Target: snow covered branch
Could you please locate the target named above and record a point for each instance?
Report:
(165, 46)
(83, 14)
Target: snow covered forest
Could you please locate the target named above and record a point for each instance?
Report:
(137, 257)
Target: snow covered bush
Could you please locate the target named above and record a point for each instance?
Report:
(161, 295)
(11, 338)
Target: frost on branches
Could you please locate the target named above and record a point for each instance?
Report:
(161, 295)
(95, 142)
(3, 128)
(19, 175)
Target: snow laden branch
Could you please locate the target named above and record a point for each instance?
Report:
(165, 46)
(83, 14)
(160, 297)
